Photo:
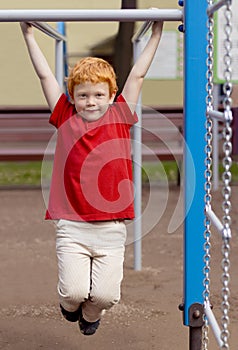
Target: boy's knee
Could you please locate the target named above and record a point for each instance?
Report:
(73, 295)
(105, 300)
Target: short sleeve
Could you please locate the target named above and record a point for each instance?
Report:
(124, 109)
(63, 110)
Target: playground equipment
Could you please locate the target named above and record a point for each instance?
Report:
(223, 227)
(60, 40)
(198, 314)
(198, 110)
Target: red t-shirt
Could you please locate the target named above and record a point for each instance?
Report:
(92, 173)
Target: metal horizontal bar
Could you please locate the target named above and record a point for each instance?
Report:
(216, 6)
(47, 29)
(224, 231)
(217, 115)
(213, 323)
(75, 15)
(214, 219)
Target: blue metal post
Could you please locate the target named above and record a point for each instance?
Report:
(195, 114)
(61, 29)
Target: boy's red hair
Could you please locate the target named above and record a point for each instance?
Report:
(92, 69)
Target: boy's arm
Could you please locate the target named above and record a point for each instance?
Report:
(50, 86)
(135, 79)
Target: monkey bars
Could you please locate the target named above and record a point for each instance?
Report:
(90, 15)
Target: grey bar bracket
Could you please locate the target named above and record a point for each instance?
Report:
(216, 6)
(141, 31)
(217, 115)
(213, 323)
(47, 29)
(225, 232)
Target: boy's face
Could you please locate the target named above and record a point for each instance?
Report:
(92, 100)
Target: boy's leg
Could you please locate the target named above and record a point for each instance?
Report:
(74, 269)
(107, 272)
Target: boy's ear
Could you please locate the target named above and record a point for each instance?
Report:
(112, 96)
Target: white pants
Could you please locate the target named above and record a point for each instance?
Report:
(90, 262)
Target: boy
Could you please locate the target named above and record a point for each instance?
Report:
(91, 190)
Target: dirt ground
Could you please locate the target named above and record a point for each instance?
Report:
(147, 316)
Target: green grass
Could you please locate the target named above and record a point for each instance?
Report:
(152, 172)
(161, 171)
(29, 173)
(234, 171)
(24, 173)
(20, 173)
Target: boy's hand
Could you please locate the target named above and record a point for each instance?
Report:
(26, 28)
(135, 79)
(50, 86)
(157, 28)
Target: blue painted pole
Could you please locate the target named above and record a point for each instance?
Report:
(195, 114)
(61, 29)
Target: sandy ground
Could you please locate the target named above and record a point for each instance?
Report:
(147, 316)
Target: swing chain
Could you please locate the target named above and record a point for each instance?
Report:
(208, 171)
(226, 177)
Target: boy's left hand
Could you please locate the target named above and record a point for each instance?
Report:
(157, 27)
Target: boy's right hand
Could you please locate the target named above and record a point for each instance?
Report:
(157, 27)
(50, 85)
(26, 28)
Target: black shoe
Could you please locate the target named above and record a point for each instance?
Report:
(87, 328)
(70, 316)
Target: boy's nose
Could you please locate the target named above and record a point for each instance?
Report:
(90, 101)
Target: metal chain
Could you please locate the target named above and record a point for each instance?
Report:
(208, 171)
(226, 177)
